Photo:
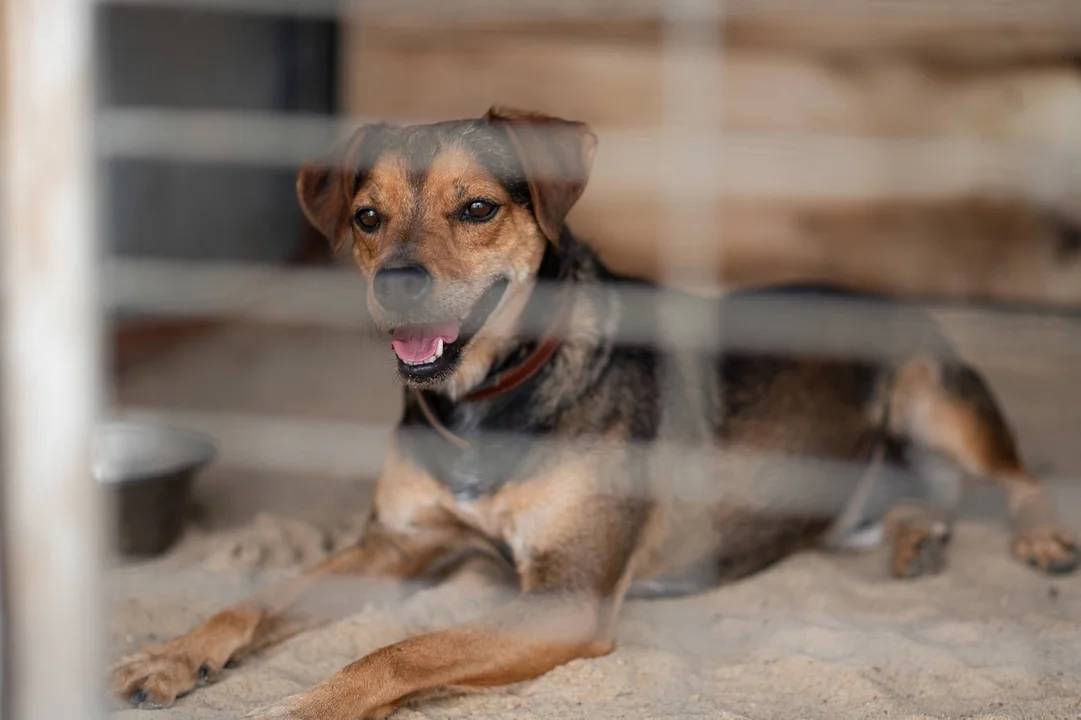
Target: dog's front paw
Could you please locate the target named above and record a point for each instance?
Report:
(156, 676)
(1050, 549)
(919, 547)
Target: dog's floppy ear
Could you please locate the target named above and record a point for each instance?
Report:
(557, 157)
(325, 189)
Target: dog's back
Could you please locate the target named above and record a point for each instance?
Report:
(763, 437)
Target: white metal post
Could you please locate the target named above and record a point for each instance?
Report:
(52, 518)
(691, 179)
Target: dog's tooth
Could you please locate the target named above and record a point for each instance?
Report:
(439, 348)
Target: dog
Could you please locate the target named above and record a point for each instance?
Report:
(542, 426)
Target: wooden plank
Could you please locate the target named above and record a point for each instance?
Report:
(850, 145)
(964, 249)
(794, 128)
(958, 30)
(963, 31)
(768, 92)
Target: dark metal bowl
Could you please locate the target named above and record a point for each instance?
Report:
(148, 472)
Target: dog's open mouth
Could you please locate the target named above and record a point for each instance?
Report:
(428, 351)
(420, 345)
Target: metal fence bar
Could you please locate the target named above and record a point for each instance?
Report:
(259, 293)
(330, 450)
(301, 445)
(691, 141)
(759, 164)
(691, 181)
(51, 327)
(336, 299)
(690, 188)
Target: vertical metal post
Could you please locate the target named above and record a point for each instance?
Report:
(690, 254)
(50, 368)
(691, 141)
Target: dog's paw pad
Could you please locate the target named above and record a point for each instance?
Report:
(155, 678)
(1051, 550)
(919, 551)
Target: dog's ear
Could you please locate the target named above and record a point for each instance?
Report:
(557, 157)
(325, 189)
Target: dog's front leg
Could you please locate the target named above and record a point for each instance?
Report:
(407, 533)
(519, 642)
(572, 593)
(157, 675)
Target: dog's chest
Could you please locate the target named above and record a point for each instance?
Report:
(471, 474)
(490, 459)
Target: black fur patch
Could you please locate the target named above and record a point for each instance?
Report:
(492, 148)
(964, 384)
(420, 145)
(503, 431)
(1069, 238)
(372, 146)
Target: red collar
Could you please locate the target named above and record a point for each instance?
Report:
(511, 378)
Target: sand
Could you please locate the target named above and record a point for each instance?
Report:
(816, 636)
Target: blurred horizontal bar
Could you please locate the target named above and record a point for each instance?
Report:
(289, 444)
(247, 137)
(777, 164)
(342, 449)
(323, 449)
(920, 12)
(252, 292)
(814, 323)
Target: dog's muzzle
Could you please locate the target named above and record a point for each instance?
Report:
(402, 289)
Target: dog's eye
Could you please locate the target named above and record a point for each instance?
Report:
(367, 219)
(479, 210)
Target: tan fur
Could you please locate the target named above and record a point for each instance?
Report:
(615, 486)
(955, 427)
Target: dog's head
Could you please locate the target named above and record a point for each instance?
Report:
(449, 223)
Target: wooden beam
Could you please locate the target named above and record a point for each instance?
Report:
(966, 31)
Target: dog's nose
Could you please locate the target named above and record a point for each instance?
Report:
(402, 288)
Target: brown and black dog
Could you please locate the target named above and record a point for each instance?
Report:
(543, 428)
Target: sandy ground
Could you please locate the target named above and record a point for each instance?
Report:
(817, 636)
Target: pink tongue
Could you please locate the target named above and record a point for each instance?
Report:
(413, 344)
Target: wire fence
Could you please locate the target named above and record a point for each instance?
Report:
(62, 283)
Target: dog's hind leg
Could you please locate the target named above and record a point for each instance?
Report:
(919, 528)
(946, 411)
(907, 499)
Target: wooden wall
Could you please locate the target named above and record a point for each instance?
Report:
(924, 148)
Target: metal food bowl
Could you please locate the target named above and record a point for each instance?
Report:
(148, 471)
